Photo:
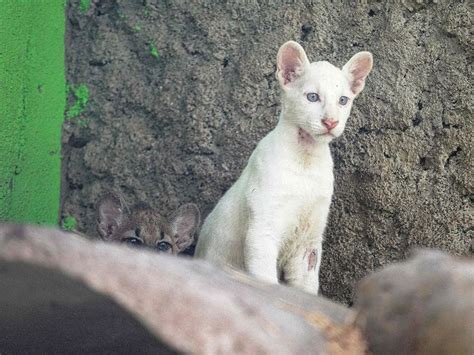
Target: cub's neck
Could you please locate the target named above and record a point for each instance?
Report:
(305, 148)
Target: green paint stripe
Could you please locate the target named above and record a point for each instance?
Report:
(32, 100)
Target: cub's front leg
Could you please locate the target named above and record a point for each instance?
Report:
(262, 243)
(261, 252)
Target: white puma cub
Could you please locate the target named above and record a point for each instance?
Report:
(271, 221)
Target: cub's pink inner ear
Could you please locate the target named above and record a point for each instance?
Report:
(291, 62)
(357, 69)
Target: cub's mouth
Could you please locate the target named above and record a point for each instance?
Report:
(328, 133)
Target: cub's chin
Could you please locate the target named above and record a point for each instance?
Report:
(326, 138)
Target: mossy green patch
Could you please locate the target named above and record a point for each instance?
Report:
(83, 122)
(32, 100)
(69, 223)
(153, 51)
(81, 98)
(84, 5)
(121, 14)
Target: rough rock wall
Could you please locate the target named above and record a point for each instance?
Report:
(181, 92)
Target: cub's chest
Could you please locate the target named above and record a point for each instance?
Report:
(307, 185)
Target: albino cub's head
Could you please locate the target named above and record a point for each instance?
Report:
(317, 97)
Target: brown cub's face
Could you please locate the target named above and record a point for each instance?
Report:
(146, 227)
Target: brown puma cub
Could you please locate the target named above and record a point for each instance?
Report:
(144, 226)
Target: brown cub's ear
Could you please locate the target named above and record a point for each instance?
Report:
(110, 214)
(357, 69)
(291, 63)
(184, 224)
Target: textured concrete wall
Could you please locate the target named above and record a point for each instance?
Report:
(180, 93)
(32, 97)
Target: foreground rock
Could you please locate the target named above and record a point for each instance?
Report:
(422, 306)
(188, 306)
(62, 293)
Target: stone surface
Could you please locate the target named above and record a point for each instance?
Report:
(180, 93)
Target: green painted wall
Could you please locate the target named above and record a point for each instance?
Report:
(32, 100)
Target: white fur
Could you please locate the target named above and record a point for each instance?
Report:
(275, 214)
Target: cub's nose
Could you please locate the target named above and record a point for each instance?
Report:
(330, 124)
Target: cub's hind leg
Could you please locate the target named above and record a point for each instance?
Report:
(302, 269)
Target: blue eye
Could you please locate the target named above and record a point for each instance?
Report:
(343, 100)
(313, 97)
(163, 246)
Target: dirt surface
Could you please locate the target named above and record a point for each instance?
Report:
(180, 93)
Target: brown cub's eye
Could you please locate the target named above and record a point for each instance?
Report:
(132, 241)
(163, 246)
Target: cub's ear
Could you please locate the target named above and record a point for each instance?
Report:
(184, 224)
(291, 63)
(110, 214)
(357, 69)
